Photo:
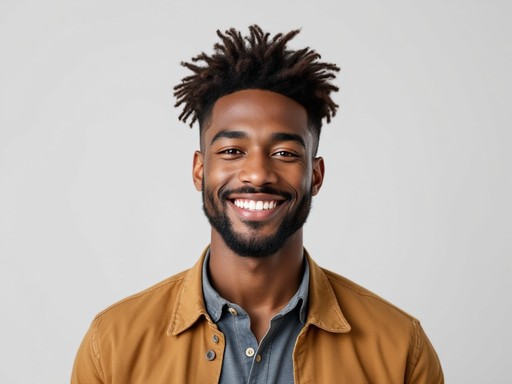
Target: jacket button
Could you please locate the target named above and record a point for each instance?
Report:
(215, 339)
(210, 355)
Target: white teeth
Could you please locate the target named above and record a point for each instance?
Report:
(254, 205)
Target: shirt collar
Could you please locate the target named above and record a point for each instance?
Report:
(323, 308)
(215, 303)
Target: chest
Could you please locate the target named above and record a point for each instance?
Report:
(205, 354)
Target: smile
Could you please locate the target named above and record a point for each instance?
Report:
(255, 205)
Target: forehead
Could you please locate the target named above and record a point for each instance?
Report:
(259, 111)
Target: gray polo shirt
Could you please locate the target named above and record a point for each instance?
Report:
(244, 360)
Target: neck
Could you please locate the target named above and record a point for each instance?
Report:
(257, 284)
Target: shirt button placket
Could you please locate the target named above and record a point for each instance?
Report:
(233, 311)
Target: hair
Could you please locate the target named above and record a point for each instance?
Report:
(257, 61)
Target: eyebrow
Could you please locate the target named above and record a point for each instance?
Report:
(280, 136)
(228, 135)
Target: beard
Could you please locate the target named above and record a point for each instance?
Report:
(253, 244)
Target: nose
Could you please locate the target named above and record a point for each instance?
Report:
(257, 169)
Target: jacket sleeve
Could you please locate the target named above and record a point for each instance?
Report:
(87, 367)
(424, 366)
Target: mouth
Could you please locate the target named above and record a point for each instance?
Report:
(256, 205)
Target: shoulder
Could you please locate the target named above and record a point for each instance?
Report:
(364, 311)
(155, 302)
(350, 294)
(360, 323)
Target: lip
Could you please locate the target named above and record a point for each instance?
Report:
(256, 196)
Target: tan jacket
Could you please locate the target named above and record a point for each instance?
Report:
(164, 335)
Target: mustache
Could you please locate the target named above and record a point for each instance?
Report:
(223, 194)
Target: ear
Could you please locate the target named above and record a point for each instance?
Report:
(318, 175)
(197, 170)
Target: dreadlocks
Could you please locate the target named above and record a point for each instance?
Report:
(257, 62)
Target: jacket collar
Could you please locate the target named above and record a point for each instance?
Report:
(324, 310)
(190, 304)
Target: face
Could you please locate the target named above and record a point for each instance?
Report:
(256, 171)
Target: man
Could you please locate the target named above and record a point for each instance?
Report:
(256, 308)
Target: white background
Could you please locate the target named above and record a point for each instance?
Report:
(96, 197)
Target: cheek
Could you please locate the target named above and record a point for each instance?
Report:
(300, 179)
(216, 176)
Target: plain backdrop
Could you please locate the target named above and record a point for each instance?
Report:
(96, 195)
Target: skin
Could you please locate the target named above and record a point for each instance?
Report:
(257, 139)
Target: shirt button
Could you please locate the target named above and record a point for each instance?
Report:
(233, 311)
(258, 358)
(215, 339)
(249, 352)
(210, 355)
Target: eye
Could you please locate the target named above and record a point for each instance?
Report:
(284, 154)
(230, 152)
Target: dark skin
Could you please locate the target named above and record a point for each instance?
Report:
(257, 138)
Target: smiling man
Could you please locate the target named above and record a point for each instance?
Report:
(256, 308)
